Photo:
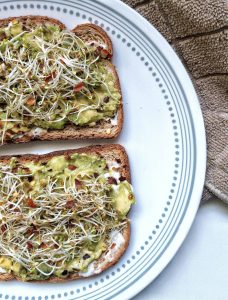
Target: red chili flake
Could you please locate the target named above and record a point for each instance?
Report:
(69, 204)
(32, 229)
(118, 160)
(112, 180)
(50, 77)
(113, 245)
(72, 167)
(9, 134)
(67, 157)
(31, 203)
(1, 124)
(3, 228)
(11, 206)
(2, 36)
(31, 101)
(62, 61)
(78, 183)
(29, 231)
(78, 87)
(130, 197)
(29, 245)
(56, 246)
(43, 245)
(104, 53)
(15, 169)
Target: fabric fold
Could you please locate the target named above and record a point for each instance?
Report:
(198, 32)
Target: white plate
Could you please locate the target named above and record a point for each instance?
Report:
(163, 133)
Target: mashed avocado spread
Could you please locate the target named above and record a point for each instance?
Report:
(56, 217)
(50, 78)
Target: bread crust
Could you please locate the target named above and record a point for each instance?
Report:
(113, 152)
(97, 30)
(35, 19)
(103, 129)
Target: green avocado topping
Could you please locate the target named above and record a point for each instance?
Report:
(57, 216)
(50, 78)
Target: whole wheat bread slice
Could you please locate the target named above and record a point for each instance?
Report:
(109, 152)
(103, 129)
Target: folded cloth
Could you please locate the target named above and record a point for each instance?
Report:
(198, 32)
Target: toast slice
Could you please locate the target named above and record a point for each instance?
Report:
(93, 37)
(116, 158)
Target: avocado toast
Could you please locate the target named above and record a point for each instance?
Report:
(64, 214)
(56, 83)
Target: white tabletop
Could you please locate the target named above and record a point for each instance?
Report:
(200, 268)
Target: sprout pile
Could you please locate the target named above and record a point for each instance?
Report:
(49, 78)
(51, 216)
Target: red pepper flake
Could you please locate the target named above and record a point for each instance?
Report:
(15, 169)
(32, 229)
(50, 77)
(43, 245)
(67, 157)
(29, 245)
(113, 245)
(112, 180)
(3, 228)
(1, 124)
(62, 61)
(2, 36)
(78, 87)
(31, 101)
(9, 133)
(130, 197)
(31, 203)
(72, 167)
(69, 204)
(104, 53)
(78, 183)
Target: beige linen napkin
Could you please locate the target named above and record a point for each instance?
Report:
(198, 32)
